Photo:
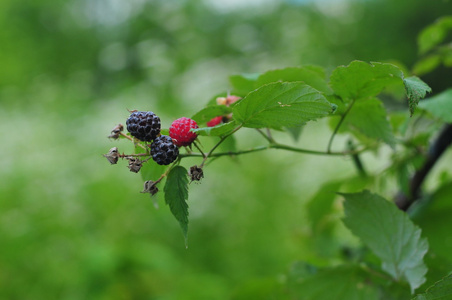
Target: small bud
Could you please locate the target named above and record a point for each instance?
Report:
(112, 155)
(116, 132)
(232, 99)
(221, 101)
(150, 187)
(196, 173)
(135, 164)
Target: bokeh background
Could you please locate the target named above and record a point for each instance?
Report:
(74, 227)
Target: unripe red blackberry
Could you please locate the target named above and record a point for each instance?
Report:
(163, 150)
(215, 121)
(144, 125)
(180, 132)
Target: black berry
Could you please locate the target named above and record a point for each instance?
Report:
(163, 150)
(144, 125)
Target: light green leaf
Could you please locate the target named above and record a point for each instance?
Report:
(340, 283)
(434, 34)
(310, 75)
(390, 234)
(361, 80)
(440, 105)
(427, 64)
(209, 112)
(369, 118)
(281, 104)
(219, 130)
(442, 290)
(176, 195)
(416, 89)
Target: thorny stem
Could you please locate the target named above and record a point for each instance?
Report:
(330, 143)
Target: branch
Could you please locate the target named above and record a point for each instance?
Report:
(442, 142)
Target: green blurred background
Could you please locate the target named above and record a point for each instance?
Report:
(74, 227)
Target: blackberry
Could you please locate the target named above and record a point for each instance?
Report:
(144, 125)
(163, 150)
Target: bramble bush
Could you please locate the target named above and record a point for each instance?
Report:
(377, 105)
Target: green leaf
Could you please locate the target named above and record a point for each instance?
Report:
(433, 219)
(295, 132)
(219, 130)
(416, 89)
(440, 106)
(312, 76)
(369, 118)
(427, 64)
(209, 112)
(321, 204)
(281, 104)
(390, 234)
(361, 80)
(341, 283)
(434, 34)
(440, 290)
(243, 84)
(176, 195)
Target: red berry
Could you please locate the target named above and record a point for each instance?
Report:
(215, 121)
(180, 132)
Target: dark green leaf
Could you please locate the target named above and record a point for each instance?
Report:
(219, 130)
(434, 219)
(340, 283)
(434, 34)
(176, 195)
(309, 75)
(416, 89)
(295, 132)
(390, 234)
(281, 104)
(440, 106)
(362, 80)
(442, 290)
(209, 112)
(369, 118)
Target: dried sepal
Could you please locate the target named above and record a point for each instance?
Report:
(150, 187)
(112, 155)
(196, 173)
(135, 164)
(116, 132)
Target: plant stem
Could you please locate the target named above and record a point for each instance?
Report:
(441, 143)
(275, 146)
(218, 144)
(199, 149)
(266, 136)
(131, 139)
(330, 142)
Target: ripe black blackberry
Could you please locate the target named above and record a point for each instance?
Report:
(144, 125)
(163, 150)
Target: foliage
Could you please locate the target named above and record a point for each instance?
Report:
(267, 220)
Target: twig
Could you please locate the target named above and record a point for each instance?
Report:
(330, 142)
(442, 142)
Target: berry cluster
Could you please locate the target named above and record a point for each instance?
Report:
(145, 126)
